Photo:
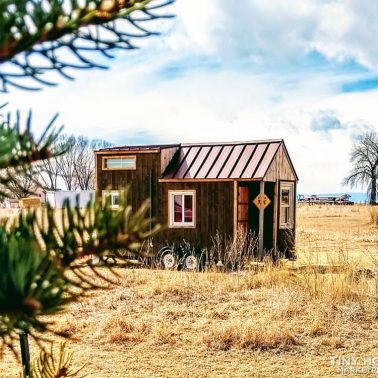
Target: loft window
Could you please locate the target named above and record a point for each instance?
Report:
(287, 205)
(119, 162)
(182, 208)
(112, 196)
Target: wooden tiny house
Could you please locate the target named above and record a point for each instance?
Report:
(201, 189)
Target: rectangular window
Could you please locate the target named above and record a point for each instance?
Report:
(112, 196)
(118, 162)
(287, 204)
(181, 208)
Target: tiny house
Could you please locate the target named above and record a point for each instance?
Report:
(201, 189)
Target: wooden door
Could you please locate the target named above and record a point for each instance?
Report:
(243, 207)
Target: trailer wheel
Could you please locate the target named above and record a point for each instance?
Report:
(169, 261)
(191, 262)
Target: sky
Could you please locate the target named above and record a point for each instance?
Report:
(302, 70)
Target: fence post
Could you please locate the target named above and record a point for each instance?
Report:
(25, 354)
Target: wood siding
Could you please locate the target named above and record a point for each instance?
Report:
(142, 180)
(280, 168)
(214, 212)
(214, 200)
(166, 157)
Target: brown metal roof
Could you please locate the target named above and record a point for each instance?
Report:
(231, 160)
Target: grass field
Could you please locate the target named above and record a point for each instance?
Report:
(328, 234)
(278, 322)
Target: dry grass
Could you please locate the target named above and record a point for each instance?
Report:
(277, 322)
(335, 234)
(373, 211)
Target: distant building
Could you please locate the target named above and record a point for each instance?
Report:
(9, 203)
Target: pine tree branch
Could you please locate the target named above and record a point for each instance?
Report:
(19, 150)
(36, 39)
(39, 274)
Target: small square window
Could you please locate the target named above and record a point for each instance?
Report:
(285, 197)
(181, 208)
(112, 196)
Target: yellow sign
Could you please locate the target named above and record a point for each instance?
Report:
(261, 201)
(29, 202)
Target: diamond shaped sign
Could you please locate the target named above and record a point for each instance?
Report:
(261, 201)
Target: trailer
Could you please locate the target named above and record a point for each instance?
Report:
(343, 199)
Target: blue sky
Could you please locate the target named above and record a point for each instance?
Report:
(304, 70)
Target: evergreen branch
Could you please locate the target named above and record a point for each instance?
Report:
(19, 151)
(39, 274)
(36, 39)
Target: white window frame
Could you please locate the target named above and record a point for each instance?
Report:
(183, 224)
(112, 194)
(290, 187)
(105, 158)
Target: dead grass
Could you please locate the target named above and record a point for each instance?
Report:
(373, 211)
(336, 234)
(249, 335)
(277, 322)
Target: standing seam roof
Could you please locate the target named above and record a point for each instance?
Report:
(223, 161)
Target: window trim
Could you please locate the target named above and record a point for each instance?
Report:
(106, 193)
(291, 187)
(104, 158)
(171, 223)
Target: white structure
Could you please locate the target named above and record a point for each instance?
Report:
(56, 198)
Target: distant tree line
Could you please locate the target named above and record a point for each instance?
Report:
(364, 157)
(73, 170)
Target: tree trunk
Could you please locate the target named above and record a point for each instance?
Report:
(373, 191)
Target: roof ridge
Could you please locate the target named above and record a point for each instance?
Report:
(139, 147)
(232, 143)
(162, 146)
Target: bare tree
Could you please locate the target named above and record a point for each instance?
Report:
(21, 185)
(76, 167)
(65, 163)
(47, 173)
(84, 162)
(364, 157)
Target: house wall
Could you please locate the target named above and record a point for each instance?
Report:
(214, 200)
(147, 164)
(214, 212)
(280, 168)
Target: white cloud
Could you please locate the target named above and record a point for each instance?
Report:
(278, 29)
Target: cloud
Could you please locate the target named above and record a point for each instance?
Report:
(264, 31)
(326, 121)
